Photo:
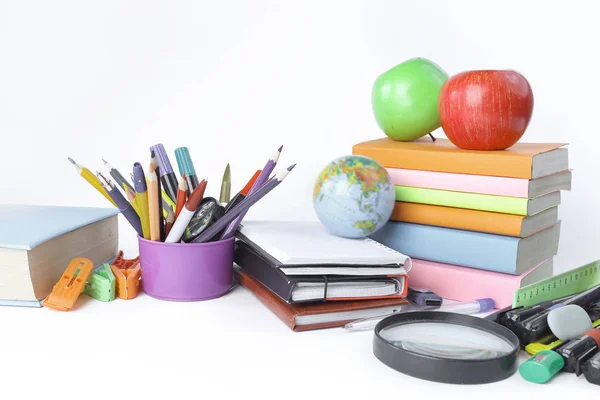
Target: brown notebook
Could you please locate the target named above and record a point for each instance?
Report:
(310, 316)
(523, 160)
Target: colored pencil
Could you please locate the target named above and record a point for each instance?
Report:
(132, 197)
(225, 195)
(91, 179)
(244, 192)
(124, 207)
(139, 182)
(262, 178)
(187, 213)
(241, 208)
(170, 221)
(153, 203)
(181, 195)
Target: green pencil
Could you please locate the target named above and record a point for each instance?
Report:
(226, 186)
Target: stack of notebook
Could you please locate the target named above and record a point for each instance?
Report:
(311, 279)
(476, 223)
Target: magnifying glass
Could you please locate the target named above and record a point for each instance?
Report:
(446, 347)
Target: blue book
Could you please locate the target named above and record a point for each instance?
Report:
(506, 254)
(37, 243)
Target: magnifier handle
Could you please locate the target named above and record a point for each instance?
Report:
(366, 324)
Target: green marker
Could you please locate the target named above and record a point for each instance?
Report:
(541, 367)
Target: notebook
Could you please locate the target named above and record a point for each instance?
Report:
(311, 316)
(37, 243)
(310, 244)
(298, 289)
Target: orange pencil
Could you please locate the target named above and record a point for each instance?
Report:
(181, 195)
(243, 193)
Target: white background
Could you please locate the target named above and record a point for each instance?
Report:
(233, 80)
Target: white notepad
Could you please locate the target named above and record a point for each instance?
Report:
(309, 243)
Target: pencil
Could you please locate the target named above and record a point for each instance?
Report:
(92, 180)
(170, 221)
(262, 178)
(139, 181)
(181, 195)
(187, 213)
(225, 195)
(153, 203)
(241, 208)
(244, 192)
(132, 197)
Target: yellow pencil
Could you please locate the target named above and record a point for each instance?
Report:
(92, 179)
(132, 197)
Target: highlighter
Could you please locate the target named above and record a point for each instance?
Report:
(185, 165)
(167, 176)
(139, 182)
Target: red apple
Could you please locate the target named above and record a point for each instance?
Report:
(485, 110)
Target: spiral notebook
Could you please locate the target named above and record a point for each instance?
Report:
(309, 245)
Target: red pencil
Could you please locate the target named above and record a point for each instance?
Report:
(181, 195)
(187, 213)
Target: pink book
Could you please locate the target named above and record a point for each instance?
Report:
(492, 185)
(467, 284)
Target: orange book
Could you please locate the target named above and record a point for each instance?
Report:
(523, 160)
(474, 220)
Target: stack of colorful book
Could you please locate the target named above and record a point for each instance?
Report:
(311, 279)
(476, 223)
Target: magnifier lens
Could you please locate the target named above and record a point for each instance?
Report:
(444, 340)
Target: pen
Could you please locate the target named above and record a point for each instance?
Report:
(242, 193)
(124, 207)
(479, 305)
(92, 180)
(120, 179)
(186, 166)
(167, 176)
(181, 195)
(243, 206)
(260, 181)
(225, 195)
(139, 182)
(186, 213)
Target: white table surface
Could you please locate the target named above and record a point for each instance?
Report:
(231, 345)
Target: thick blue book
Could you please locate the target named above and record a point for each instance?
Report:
(37, 243)
(506, 254)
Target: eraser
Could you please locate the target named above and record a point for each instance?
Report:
(569, 322)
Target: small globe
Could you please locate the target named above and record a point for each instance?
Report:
(354, 196)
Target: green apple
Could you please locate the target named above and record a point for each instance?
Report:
(405, 99)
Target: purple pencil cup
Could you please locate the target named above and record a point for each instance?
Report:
(186, 271)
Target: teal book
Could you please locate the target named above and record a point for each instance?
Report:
(485, 251)
(37, 243)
